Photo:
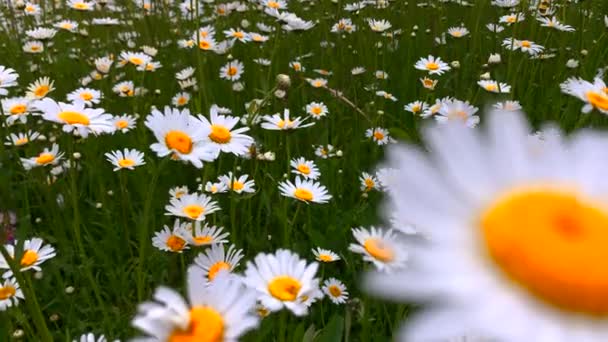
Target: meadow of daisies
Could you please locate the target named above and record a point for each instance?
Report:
(303, 170)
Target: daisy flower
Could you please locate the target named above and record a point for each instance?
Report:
(223, 136)
(34, 255)
(216, 188)
(296, 66)
(512, 18)
(276, 122)
(357, 71)
(386, 95)
(283, 280)
(317, 82)
(21, 139)
(237, 34)
(380, 247)
(180, 99)
(185, 73)
(428, 83)
(81, 5)
(316, 110)
(40, 88)
(381, 75)
(238, 184)
(87, 95)
(127, 159)
(325, 255)
(192, 206)
(594, 95)
(8, 79)
(416, 107)
(488, 202)
(304, 168)
(135, 58)
(305, 190)
(324, 151)
(335, 290)
(510, 106)
(178, 191)
(103, 64)
(46, 157)
(124, 89)
(379, 135)
(458, 32)
(379, 25)
(16, 109)
(368, 182)
(124, 123)
(494, 87)
(435, 66)
(180, 135)
(75, 117)
(41, 33)
(232, 71)
(344, 25)
(216, 259)
(90, 337)
(222, 310)
(274, 4)
(495, 28)
(205, 235)
(67, 25)
(456, 110)
(172, 239)
(33, 46)
(10, 293)
(523, 45)
(31, 9)
(555, 24)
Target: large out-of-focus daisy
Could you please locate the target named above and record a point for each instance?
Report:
(305, 191)
(192, 206)
(513, 234)
(76, 117)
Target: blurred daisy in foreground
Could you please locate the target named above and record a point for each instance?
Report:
(48, 156)
(216, 259)
(205, 235)
(10, 294)
(285, 122)
(335, 291)
(325, 255)
(595, 95)
(192, 206)
(304, 168)
(76, 117)
(222, 310)
(34, 254)
(380, 247)
(172, 239)
(305, 191)
(126, 159)
(494, 87)
(488, 203)
(435, 66)
(283, 280)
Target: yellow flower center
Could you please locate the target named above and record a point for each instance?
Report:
(232, 71)
(176, 243)
(86, 96)
(122, 124)
(206, 325)
(526, 44)
(45, 158)
(136, 60)
(297, 66)
(432, 66)
(204, 45)
(179, 141)
(326, 258)
(369, 183)
(379, 250)
(182, 101)
(34, 48)
(237, 186)
(67, 26)
(303, 194)
(238, 34)
(21, 141)
(317, 84)
(303, 168)
(201, 240)
(552, 243)
(284, 288)
(18, 109)
(218, 266)
(273, 4)
(456, 34)
(491, 87)
(29, 258)
(193, 211)
(316, 110)
(41, 91)
(416, 108)
(81, 6)
(378, 135)
(598, 100)
(511, 19)
(74, 118)
(220, 134)
(126, 162)
(334, 290)
(7, 292)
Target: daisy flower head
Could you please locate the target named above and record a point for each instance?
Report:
(35, 253)
(216, 188)
(67, 25)
(181, 136)
(316, 110)
(416, 107)
(594, 95)
(428, 83)
(555, 24)
(379, 25)
(283, 280)
(137, 59)
(495, 28)
(125, 89)
(173, 240)
(192, 206)
(205, 235)
(237, 34)
(222, 310)
(232, 71)
(379, 135)
(458, 32)
(380, 247)
(296, 66)
(510, 106)
(317, 82)
(34, 46)
(81, 5)
(31, 9)
(357, 71)
(86, 95)
(75, 117)
(325, 255)
(305, 190)
(274, 4)
(41, 33)
(8, 79)
(500, 200)
(223, 136)
(324, 151)
(512, 18)
(124, 123)
(238, 184)
(216, 259)
(178, 191)
(90, 337)
(281, 123)
(335, 290)
(434, 66)
(368, 182)
(180, 99)
(527, 46)
(458, 111)
(21, 139)
(10, 293)
(386, 95)
(381, 75)
(304, 168)
(494, 86)
(17, 109)
(126, 159)
(48, 156)
(40, 88)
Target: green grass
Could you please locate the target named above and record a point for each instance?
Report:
(106, 253)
